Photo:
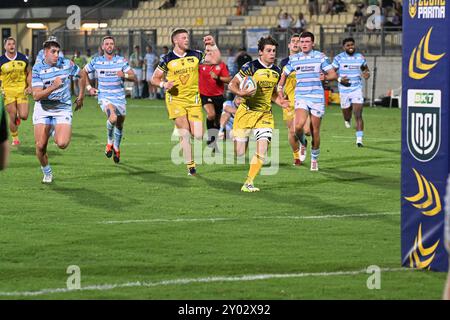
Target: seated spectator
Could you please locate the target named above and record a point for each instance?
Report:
(358, 19)
(338, 6)
(300, 24)
(328, 6)
(241, 7)
(168, 4)
(395, 24)
(313, 6)
(387, 6)
(285, 20)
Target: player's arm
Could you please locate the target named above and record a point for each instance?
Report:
(330, 75)
(281, 84)
(40, 93)
(223, 76)
(158, 80)
(280, 99)
(76, 71)
(128, 75)
(84, 74)
(28, 88)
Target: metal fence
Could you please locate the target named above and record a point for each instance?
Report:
(72, 40)
(384, 42)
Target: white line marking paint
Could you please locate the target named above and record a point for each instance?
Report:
(183, 281)
(218, 219)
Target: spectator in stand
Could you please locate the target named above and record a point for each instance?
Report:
(338, 6)
(285, 20)
(231, 62)
(329, 6)
(358, 19)
(242, 58)
(168, 4)
(241, 7)
(300, 24)
(388, 6)
(313, 6)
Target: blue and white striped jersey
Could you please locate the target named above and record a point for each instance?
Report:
(308, 67)
(110, 85)
(43, 76)
(350, 66)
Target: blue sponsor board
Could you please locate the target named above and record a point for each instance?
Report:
(425, 141)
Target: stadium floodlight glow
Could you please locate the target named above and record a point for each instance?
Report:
(36, 26)
(89, 25)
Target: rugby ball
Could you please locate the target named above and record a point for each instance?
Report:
(247, 82)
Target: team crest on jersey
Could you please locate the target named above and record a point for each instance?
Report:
(424, 123)
(184, 78)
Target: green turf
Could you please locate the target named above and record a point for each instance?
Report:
(47, 228)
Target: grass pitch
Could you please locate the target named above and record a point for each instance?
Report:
(143, 229)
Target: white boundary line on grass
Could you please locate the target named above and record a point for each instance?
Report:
(217, 219)
(182, 281)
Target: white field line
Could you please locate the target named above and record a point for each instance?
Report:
(218, 219)
(184, 281)
(366, 138)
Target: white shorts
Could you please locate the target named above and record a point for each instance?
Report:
(347, 99)
(138, 73)
(259, 134)
(121, 110)
(316, 109)
(51, 116)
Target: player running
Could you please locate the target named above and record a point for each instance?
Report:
(350, 66)
(255, 111)
(111, 71)
(53, 107)
(298, 145)
(182, 94)
(311, 67)
(213, 74)
(15, 75)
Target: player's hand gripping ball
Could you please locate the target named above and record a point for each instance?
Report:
(247, 84)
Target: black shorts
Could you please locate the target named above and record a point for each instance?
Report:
(217, 101)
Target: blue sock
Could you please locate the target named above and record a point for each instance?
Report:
(117, 138)
(46, 170)
(315, 154)
(110, 127)
(359, 134)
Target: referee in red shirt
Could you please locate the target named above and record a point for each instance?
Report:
(213, 74)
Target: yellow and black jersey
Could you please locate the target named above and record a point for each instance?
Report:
(13, 72)
(183, 71)
(291, 82)
(266, 79)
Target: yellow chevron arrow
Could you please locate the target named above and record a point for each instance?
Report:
(426, 53)
(420, 194)
(429, 200)
(438, 207)
(416, 55)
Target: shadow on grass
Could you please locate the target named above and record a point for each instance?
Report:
(91, 198)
